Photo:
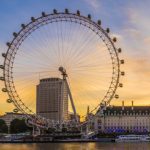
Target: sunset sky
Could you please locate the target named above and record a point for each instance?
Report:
(128, 20)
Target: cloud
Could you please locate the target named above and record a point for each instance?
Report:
(95, 4)
(136, 81)
(135, 42)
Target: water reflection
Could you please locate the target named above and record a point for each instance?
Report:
(77, 146)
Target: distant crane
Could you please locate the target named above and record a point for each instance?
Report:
(64, 74)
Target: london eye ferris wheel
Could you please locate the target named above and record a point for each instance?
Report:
(68, 43)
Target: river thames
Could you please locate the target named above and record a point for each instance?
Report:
(77, 146)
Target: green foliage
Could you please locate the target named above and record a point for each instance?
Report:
(3, 126)
(51, 130)
(64, 129)
(19, 126)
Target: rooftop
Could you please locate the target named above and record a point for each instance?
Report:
(49, 79)
(127, 109)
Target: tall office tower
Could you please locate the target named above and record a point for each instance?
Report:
(52, 99)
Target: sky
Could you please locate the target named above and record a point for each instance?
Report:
(127, 20)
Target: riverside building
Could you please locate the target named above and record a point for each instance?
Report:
(124, 119)
(52, 99)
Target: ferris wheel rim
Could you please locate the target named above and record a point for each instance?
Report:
(8, 72)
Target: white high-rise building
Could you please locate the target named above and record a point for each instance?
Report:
(52, 99)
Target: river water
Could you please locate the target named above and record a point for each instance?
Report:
(77, 146)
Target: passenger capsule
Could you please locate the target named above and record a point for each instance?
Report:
(32, 19)
(89, 16)
(55, 11)
(15, 34)
(122, 61)
(114, 39)
(23, 26)
(1, 67)
(2, 79)
(4, 55)
(8, 44)
(78, 12)
(9, 101)
(120, 85)
(66, 11)
(119, 50)
(107, 30)
(122, 73)
(4, 90)
(116, 96)
(99, 22)
(15, 110)
(43, 14)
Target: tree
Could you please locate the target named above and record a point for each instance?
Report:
(64, 129)
(3, 126)
(19, 126)
(51, 130)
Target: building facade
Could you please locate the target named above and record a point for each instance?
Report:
(52, 99)
(124, 119)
